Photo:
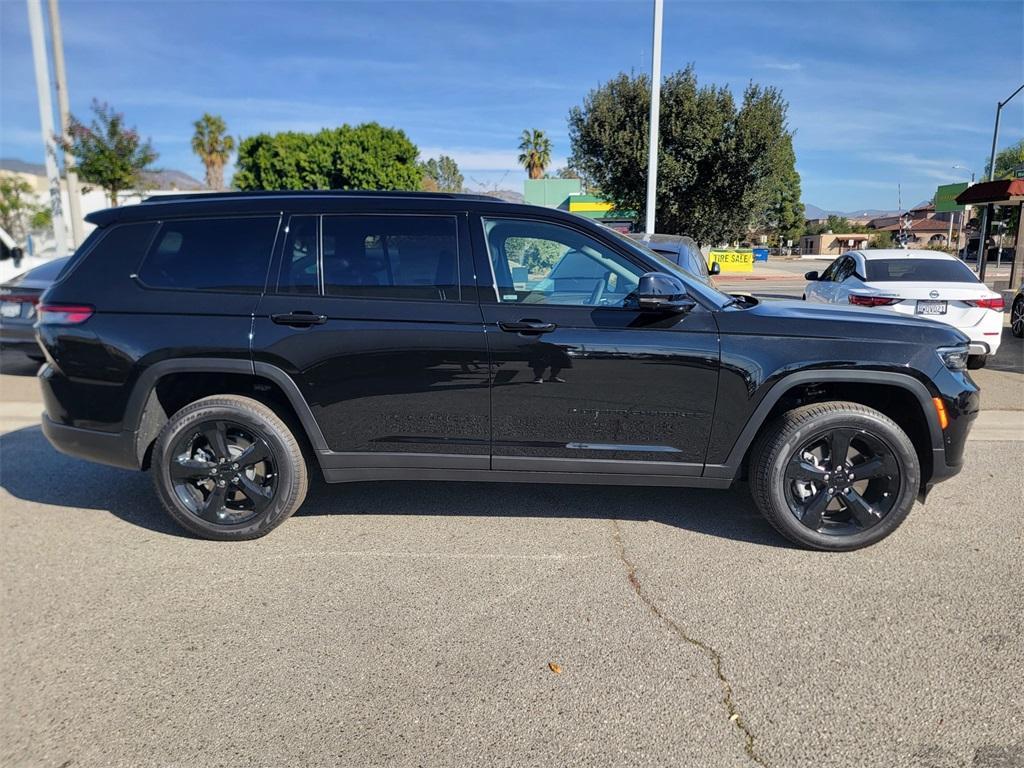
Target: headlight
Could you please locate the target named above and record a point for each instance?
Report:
(954, 358)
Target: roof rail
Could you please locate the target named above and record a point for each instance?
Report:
(315, 193)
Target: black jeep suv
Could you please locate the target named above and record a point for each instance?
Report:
(234, 343)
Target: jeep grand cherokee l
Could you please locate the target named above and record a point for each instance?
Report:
(235, 343)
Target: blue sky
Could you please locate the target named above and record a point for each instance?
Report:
(879, 93)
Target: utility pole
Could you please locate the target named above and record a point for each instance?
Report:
(652, 148)
(35, 26)
(982, 251)
(74, 199)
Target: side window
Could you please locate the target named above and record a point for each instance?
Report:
(226, 254)
(537, 262)
(398, 257)
(844, 269)
(299, 272)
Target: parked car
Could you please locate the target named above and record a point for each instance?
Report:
(927, 284)
(680, 250)
(235, 343)
(18, 299)
(9, 249)
(1017, 313)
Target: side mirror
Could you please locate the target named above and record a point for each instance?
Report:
(660, 292)
(715, 268)
(812, 275)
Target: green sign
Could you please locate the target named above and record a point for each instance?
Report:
(945, 197)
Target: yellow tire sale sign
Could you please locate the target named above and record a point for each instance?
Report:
(732, 259)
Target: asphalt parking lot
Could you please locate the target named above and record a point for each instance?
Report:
(473, 624)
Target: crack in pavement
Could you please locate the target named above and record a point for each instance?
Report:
(713, 654)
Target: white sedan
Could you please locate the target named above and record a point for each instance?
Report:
(928, 284)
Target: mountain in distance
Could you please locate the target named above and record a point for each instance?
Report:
(814, 212)
(163, 180)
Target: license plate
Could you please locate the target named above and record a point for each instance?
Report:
(931, 307)
(10, 309)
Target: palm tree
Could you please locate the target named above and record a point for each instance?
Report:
(214, 147)
(535, 152)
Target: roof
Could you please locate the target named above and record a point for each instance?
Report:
(847, 235)
(1000, 191)
(291, 193)
(902, 253)
(919, 225)
(313, 202)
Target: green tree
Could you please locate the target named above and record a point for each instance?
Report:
(107, 153)
(214, 146)
(721, 168)
(837, 224)
(1007, 160)
(444, 173)
(18, 213)
(881, 240)
(367, 156)
(534, 152)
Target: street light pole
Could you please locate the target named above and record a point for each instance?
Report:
(652, 141)
(982, 253)
(63, 107)
(42, 70)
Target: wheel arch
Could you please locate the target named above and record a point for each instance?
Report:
(899, 396)
(168, 385)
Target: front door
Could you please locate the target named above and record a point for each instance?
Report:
(375, 318)
(581, 384)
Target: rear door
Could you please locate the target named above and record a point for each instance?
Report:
(581, 384)
(374, 317)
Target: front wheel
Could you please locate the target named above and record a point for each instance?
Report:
(834, 476)
(227, 468)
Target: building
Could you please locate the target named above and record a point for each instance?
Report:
(567, 194)
(831, 244)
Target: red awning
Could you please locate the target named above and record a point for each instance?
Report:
(1004, 192)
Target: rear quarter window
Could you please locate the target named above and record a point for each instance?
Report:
(211, 254)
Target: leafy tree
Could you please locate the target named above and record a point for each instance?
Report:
(18, 213)
(367, 156)
(214, 146)
(107, 153)
(836, 224)
(721, 168)
(534, 152)
(1007, 160)
(881, 240)
(567, 173)
(444, 173)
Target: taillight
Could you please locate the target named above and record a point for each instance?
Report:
(17, 298)
(63, 314)
(871, 301)
(997, 304)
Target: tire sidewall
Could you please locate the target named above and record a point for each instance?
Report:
(894, 439)
(186, 420)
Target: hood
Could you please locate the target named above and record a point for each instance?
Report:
(829, 321)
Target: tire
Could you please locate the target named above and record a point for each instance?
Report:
(218, 498)
(1017, 317)
(779, 472)
(974, 362)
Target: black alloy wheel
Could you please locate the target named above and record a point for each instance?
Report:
(843, 481)
(1017, 317)
(223, 472)
(228, 468)
(834, 475)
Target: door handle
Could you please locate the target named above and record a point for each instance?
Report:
(298, 319)
(526, 326)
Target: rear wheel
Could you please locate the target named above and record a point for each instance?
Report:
(1017, 317)
(834, 476)
(227, 468)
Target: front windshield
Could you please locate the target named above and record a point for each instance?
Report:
(694, 285)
